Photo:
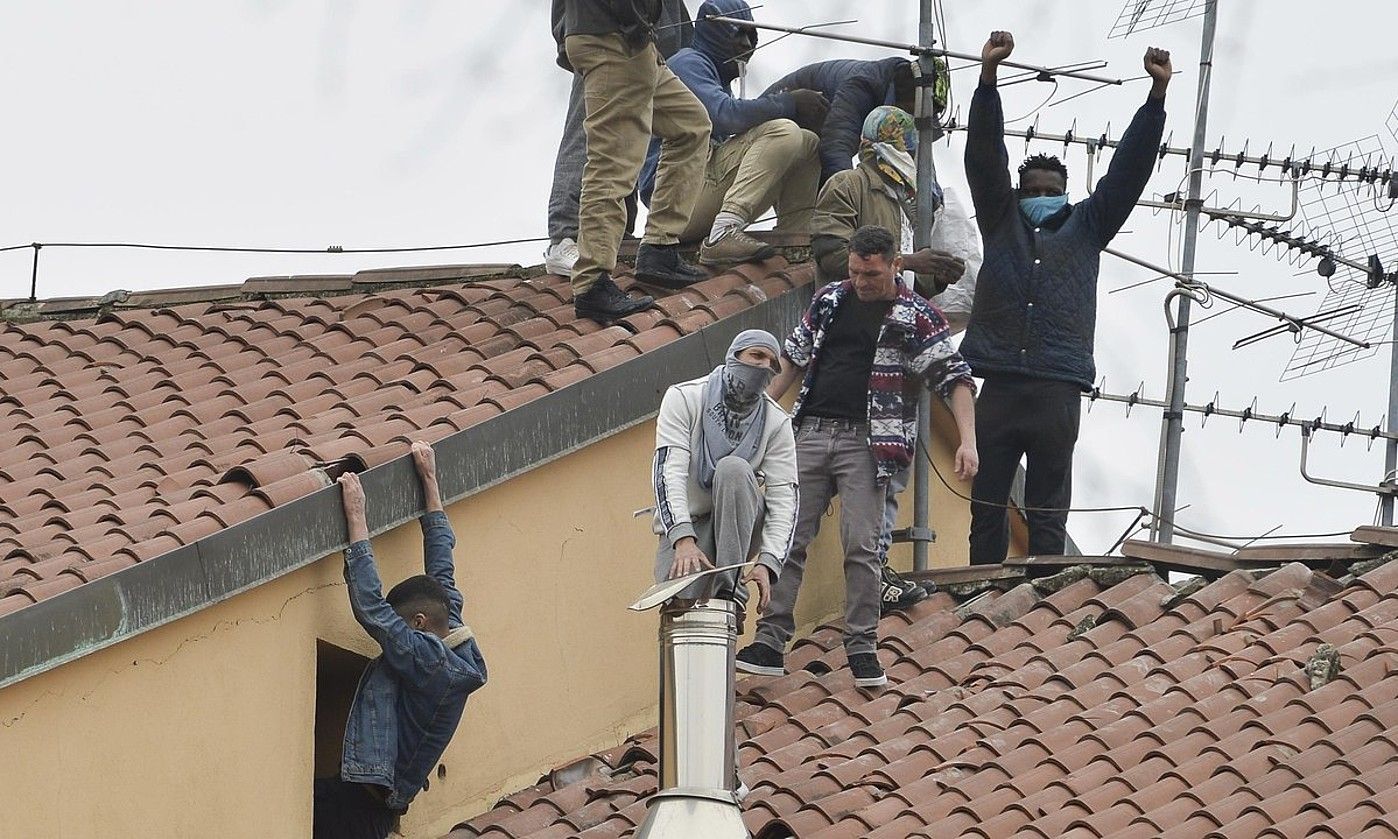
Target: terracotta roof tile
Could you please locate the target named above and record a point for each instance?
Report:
(179, 414)
(1100, 710)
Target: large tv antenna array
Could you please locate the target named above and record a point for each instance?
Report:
(1344, 171)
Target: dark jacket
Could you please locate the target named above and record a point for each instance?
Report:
(411, 697)
(1035, 311)
(854, 88)
(707, 68)
(634, 20)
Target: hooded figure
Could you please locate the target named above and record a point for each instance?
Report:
(714, 437)
(763, 152)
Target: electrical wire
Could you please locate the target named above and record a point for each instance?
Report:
(1041, 106)
(1143, 512)
(331, 249)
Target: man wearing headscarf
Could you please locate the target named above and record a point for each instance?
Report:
(880, 191)
(725, 474)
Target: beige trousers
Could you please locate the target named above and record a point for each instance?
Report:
(772, 164)
(629, 96)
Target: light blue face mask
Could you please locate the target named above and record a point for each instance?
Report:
(1040, 207)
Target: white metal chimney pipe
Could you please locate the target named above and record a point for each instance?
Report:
(696, 794)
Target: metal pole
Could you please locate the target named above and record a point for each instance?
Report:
(34, 277)
(1390, 460)
(1172, 427)
(922, 236)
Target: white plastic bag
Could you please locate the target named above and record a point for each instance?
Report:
(953, 231)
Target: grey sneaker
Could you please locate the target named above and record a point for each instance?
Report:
(732, 247)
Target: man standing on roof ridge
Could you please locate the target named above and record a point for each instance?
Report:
(882, 191)
(762, 151)
(673, 31)
(1035, 311)
(860, 351)
(725, 474)
(630, 94)
(410, 699)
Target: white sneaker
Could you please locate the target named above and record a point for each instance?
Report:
(561, 257)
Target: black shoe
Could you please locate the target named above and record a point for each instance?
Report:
(604, 302)
(661, 265)
(897, 593)
(867, 671)
(762, 660)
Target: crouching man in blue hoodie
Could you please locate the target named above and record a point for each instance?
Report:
(411, 697)
(762, 152)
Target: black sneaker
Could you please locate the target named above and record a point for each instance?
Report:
(761, 660)
(898, 593)
(867, 671)
(661, 265)
(604, 302)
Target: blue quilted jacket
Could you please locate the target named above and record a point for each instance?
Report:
(1035, 311)
(854, 88)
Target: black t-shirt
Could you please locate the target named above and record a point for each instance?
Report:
(840, 389)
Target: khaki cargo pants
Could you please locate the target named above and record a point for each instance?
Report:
(772, 164)
(630, 95)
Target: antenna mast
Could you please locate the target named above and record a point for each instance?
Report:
(1168, 472)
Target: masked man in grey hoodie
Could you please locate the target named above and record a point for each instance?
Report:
(725, 474)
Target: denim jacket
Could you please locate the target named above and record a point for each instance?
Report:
(411, 697)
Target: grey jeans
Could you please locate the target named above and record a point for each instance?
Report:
(833, 458)
(727, 536)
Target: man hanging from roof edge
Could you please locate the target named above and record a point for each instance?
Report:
(673, 31)
(1035, 311)
(763, 151)
(630, 94)
(411, 698)
(860, 351)
(725, 474)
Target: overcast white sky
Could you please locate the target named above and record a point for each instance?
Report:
(307, 123)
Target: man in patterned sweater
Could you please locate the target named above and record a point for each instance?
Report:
(860, 350)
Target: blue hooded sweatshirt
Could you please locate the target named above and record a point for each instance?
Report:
(707, 68)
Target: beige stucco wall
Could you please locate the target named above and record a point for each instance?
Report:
(204, 727)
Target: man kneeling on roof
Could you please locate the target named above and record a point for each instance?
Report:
(861, 350)
(725, 475)
(411, 697)
(762, 151)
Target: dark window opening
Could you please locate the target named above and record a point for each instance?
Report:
(337, 677)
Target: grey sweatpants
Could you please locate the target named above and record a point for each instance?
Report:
(833, 458)
(728, 536)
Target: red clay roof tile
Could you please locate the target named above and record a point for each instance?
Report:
(148, 428)
(1129, 734)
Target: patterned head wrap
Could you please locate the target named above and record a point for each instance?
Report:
(888, 142)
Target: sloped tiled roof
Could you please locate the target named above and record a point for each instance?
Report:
(161, 418)
(1075, 707)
